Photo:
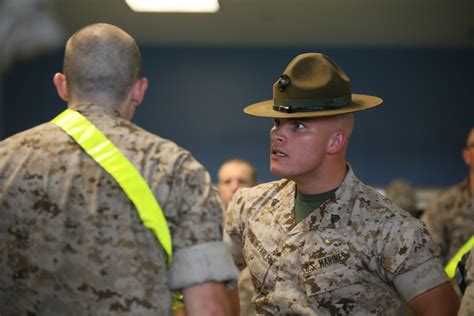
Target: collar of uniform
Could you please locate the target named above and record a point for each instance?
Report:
(281, 203)
(336, 211)
(92, 108)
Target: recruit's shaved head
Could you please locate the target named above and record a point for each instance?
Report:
(102, 62)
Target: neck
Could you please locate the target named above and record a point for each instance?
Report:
(326, 180)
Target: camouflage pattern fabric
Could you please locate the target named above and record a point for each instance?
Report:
(358, 254)
(450, 219)
(467, 303)
(73, 244)
(247, 307)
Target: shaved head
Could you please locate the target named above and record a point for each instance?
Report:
(101, 62)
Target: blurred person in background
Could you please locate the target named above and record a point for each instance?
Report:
(449, 217)
(403, 194)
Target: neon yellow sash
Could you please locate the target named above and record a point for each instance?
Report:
(453, 263)
(99, 147)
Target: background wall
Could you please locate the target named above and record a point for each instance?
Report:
(197, 93)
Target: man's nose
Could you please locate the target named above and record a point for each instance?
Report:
(276, 135)
(234, 185)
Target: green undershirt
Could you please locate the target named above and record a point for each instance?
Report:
(307, 203)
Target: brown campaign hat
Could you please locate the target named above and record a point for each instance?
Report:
(312, 85)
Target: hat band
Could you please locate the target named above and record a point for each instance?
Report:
(311, 105)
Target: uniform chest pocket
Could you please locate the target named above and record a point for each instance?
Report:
(329, 274)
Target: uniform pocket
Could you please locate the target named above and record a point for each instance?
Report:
(328, 274)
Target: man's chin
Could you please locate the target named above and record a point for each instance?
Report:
(278, 173)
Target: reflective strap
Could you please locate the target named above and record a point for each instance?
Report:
(451, 266)
(98, 146)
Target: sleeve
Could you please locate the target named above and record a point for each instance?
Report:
(422, 278)
(467, 303)
(199, 252)
(233, 231)
(410, 259)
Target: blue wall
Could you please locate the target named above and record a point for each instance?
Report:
(196, 97)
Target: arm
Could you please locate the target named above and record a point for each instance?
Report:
(234, 301)
(202, 266)
(417, 272)
(206, 299)
(441, 300)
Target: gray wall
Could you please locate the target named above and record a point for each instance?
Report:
(196, 97)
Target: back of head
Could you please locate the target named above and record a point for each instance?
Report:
(101, 63)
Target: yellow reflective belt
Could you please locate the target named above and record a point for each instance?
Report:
(99, 147)
(453, 263)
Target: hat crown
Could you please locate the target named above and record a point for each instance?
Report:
(312, 85)
(313, 76)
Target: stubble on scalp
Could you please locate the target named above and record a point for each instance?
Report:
(101, 62)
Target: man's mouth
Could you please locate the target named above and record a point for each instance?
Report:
(278, 153)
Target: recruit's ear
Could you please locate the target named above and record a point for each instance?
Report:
(61, 86)
(139, 89)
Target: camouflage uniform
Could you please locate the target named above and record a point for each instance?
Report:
(467, 303)
(73, 244)
(358, 254)
(247, 308)
(450, 219)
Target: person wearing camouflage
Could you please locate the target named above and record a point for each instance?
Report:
(467, 303)
(72, 243)
(450, 216)
(319, 241)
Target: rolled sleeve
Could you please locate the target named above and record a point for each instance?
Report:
(207, 262)
(422, 278)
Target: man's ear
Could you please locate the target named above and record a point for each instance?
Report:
(336, 142)
(139, 89)
(61, 86)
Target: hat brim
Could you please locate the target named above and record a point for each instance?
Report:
(359, 102)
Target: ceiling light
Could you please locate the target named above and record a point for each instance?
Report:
(174, 5)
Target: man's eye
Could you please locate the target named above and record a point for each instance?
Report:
(298, 125)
